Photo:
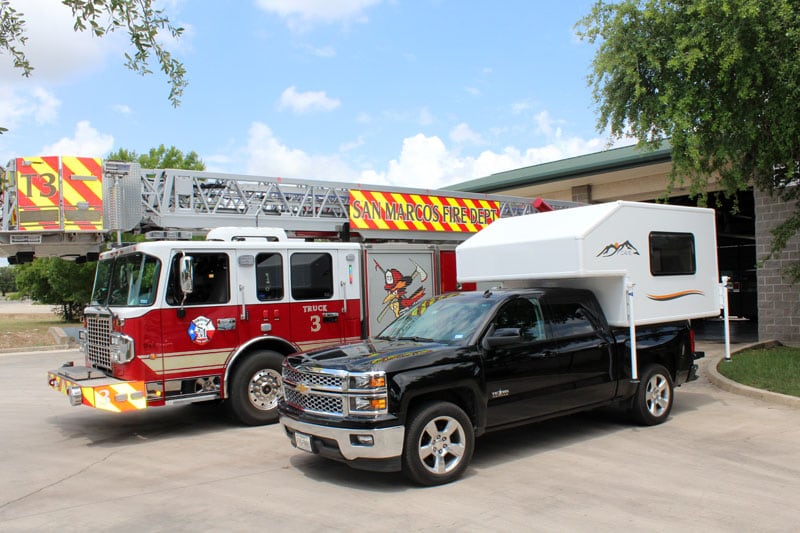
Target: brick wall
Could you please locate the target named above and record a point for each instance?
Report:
(778, 300)
(582, 193)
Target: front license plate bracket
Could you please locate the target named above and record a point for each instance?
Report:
(303, 442)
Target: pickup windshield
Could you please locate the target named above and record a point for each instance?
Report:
(449, 319)
(126, 281)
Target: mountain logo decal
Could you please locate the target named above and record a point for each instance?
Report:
(625, 248)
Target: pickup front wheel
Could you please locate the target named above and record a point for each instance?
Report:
(653, 400)
(438, 444)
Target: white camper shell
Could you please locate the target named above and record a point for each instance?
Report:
(660, 260)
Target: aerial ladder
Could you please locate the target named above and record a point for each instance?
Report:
(71, 207)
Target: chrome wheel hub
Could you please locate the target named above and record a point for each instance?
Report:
(441, 445)
(265, 389)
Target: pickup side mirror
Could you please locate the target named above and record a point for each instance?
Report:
(502, 337)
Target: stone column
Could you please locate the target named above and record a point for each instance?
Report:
(778, 299)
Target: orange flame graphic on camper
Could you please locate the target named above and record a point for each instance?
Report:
(674, 295)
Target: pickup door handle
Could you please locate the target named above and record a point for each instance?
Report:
(330, 317)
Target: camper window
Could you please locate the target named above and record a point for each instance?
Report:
(672, 254)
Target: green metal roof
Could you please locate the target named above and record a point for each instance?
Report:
(564, 169)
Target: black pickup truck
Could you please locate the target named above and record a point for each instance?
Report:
(461, 364)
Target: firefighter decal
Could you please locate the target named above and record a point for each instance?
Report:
(201, 330)
(397, 286)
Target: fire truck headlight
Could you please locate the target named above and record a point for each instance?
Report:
(75, 395)
(121, 348)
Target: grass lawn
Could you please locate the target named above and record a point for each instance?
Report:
(774, 369)
(27, 330)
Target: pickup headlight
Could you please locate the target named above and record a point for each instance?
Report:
(368, 405)
(121, 349)
(367, 394)
(367, 381)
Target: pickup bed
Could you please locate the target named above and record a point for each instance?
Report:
(461, 364)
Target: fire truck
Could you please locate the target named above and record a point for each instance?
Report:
(286, 265)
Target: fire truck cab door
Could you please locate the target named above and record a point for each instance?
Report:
(317, 304)
(202, 335)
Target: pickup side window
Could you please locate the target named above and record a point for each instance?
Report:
(269, 276)
(312, 276)
(521, 315)
(672, 254)
(568, 319)
(211, 280)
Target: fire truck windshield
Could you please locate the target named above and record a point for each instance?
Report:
(126, 281)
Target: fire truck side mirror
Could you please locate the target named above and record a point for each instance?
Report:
(187, 274)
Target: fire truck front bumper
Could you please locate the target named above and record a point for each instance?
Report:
(90, 387)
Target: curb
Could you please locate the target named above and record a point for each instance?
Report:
(735, 387)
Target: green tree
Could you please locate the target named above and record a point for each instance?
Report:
(7, 280)
(719, 79)
(64, 284)
(161, 157)
(138, 18)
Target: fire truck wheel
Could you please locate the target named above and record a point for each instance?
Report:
(256, 388)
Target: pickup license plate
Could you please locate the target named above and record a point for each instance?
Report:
(303, 441)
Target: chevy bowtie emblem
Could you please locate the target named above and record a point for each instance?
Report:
(302, 388)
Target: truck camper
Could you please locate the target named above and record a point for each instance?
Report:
(665, 254)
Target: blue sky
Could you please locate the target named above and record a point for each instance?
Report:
(422, 93)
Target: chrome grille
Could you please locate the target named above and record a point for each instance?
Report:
(314, 402)
(327, 381)
(98, 341)
(327, 391)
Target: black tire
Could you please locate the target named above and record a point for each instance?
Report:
(255, 388)
(438, 444)
(653, 401)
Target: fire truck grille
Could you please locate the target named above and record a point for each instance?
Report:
(98, 341)
(327, 404)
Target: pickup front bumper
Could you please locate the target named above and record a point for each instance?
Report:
(90, 387)
(369, 449)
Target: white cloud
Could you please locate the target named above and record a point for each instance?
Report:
(423, 162)
(427, 162)
(463, 134)
(54, 48)
(122, 109)
(307, 101)
(267, 156)
(46, 106)
(321, 51)
(546, 126)
(302, 14)
(520, 107)
(12, 107)
(352, 145)
(18, 105)
(425, 117)
(87, 141)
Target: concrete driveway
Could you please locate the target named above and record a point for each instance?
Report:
(723, 462)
